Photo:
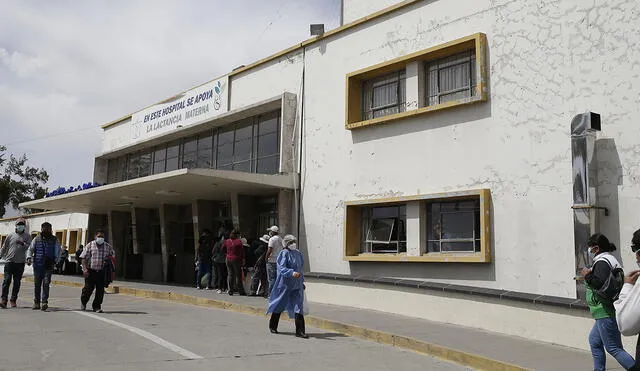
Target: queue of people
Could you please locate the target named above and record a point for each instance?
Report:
(45, 253)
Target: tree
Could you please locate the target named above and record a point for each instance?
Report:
(19, 182)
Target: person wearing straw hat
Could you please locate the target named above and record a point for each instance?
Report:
(288, 291)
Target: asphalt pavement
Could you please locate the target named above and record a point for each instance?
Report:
(147, 334)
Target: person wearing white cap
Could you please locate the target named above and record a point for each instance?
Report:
(274, 247)
(288, 293)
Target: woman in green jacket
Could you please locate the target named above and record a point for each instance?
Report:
(605, 333)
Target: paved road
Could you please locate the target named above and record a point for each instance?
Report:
(141, 334)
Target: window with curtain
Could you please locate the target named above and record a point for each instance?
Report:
(384, 95)
(451, 78)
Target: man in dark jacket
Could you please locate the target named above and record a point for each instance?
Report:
(260, 267)
(44, 252)
(203, 253)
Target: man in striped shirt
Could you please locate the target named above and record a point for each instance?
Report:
(93, 262)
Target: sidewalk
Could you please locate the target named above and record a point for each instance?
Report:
(470, 347)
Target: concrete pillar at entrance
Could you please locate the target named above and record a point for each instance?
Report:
(285, 212)
(118, 229)
(235, 210)
(170, 239)
(134, 232)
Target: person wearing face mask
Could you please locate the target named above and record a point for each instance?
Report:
(94, 257)
(14, 251)
(288, 290)
(628, 303)
(605, 334)
(44, 252)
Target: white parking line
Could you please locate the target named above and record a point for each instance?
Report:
(183, 352)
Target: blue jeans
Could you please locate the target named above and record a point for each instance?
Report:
(272, 272)
(606, 335)
(204, 269)
(42, 279)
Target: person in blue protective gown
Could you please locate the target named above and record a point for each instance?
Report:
(288, 290)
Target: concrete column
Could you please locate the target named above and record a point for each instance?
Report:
(247, 206)
(289, 136)
(415, 85)
(100, 171)
(118, 234)
(285, 212)
(164, 231)
(416, 231)
(134, 231)
(235, 210)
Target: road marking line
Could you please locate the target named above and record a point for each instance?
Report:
(183, 352)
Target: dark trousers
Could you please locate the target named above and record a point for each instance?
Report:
(220, 272)
(204, 268)
(94, 281)
(259, 277)
(12, 271)
(235, 276)
(275, 319)
(42, 282)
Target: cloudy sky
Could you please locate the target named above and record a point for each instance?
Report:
(66, 67)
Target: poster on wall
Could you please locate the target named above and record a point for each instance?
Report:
(191, 107)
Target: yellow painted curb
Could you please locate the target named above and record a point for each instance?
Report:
(463, 358)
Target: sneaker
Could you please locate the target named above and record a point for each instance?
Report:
(3, 303)
(209, 288)
(83, 307)
(219, 291)
(97, 310)
(45, 306)
(36, 305)
(13, 304)
(230, 293)
(198, 288)
(302, 335)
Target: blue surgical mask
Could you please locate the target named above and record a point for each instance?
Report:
(20, 228)
(99, 240)
(592, 255)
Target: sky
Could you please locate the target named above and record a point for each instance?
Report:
(67, 67)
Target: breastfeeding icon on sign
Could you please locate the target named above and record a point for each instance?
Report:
(135, 129)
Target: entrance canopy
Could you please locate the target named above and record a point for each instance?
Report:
(175, 187)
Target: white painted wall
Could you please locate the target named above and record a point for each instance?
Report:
(355, 9)
(116, 136)
(59, 221)
(562, 59)
(559, 326)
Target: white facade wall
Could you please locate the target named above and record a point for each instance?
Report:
(561, 58)
(547, 62)
(355, 9)
(117, 136)
(59, 222)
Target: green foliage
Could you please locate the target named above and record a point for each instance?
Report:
(19, 182)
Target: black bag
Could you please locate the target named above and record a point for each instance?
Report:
(610, 289)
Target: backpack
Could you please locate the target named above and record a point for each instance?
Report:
(610, 289)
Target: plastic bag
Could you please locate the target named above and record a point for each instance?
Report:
(305, 304)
